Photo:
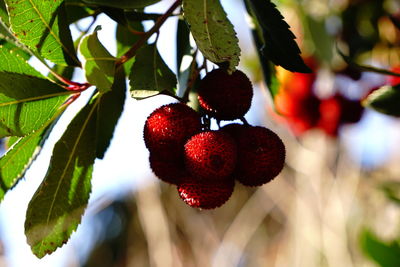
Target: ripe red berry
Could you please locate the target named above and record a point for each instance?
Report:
(205, 194)
(168, 127)
(261, 154)
(210, 155)
(168, 169)
(225, 96)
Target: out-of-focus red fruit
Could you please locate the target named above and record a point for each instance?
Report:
(301, 114)
(297, 84)
(168, 127)
(331, 111)
(394, 80)
(261, 154)
(225, 96)
(337, 110)
(210, 155)
(205, 194)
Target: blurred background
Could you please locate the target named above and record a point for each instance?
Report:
(336, 203)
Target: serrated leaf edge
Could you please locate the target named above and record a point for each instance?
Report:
(83, 128)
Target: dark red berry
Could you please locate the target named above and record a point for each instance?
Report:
(168, 127)
(261, 154)
(210, 155)
(168, 169)
(225, 96)
(205, 194)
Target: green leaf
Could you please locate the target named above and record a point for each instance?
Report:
(14, 62)
(66, 72)
(213, 32)
(268, 68)
(109, 110)
(27, 102)
(125, 40)
(384, 254)
(385, 100)
(183, 47)
(279, 45)
(98, 63)
(3, 13)
(41, 25)
(124, 4)
(76, 10)
(57, 206)
(20, 155)
(150, 75)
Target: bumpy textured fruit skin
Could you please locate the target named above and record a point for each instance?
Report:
(225, 96)
(168, 127)
(210, 155)
(205, 194)
(261, 154)
(168, 169)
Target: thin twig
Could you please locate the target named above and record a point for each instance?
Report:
(157, 25)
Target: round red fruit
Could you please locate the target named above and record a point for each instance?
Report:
(225, 96)
(205, 194)
(168, 127)
(261, 154)
(210, 155)
(170, 170)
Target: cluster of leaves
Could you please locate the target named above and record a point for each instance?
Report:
(31, 103)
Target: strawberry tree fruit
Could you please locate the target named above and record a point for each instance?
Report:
(210, 155)
(168, 169)
(168, 127)
(261, 154)
(206, 194)
(225, 96)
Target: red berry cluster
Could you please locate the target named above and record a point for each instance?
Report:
(205, 163)
(304, 110)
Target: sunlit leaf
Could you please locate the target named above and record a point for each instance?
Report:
(385, 100)
(13, 62)
(150, 75)
(3, 13)
(278, 40)
(27, 102)
(213, 32)
(57, 206)
(125, 39)
(98, 63)
(41, 25)
(21, 154)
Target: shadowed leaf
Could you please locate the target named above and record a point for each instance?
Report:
(213, 32)
(150, 75)
(57, 206)
(279, 45)
(385, 100)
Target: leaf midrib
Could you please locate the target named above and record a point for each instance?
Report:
(33, 98)
(207, 29)
(83, 128)
(51, 31)
(32, 136)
